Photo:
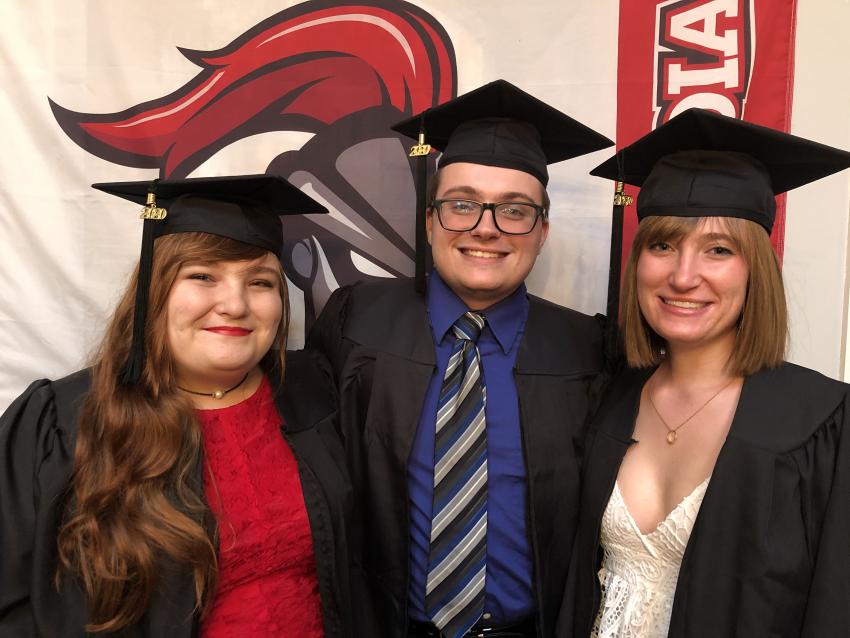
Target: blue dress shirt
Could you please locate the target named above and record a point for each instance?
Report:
(508, 582)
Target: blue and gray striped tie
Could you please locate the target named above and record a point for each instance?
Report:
(454, 590)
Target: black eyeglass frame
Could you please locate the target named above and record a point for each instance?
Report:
(538, 208)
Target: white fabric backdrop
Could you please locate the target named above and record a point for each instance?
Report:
(65, 250)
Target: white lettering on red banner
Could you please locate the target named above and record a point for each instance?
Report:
(703, 56)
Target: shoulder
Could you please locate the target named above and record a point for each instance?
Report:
(364, 319)
(38, 433)
(364, 294)
(362, 308)
(381, 291)
(560, 340)
(790, 375)
(387, 316)
(307, 395)
(50, 402)
(576, 323)
(382, 301)
(69, 392)
(782, 408)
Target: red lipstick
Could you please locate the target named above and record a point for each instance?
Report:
(230, 331)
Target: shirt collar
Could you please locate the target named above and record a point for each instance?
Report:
(505, 319)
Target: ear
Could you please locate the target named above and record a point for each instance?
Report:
(543, 235)
(429, 224)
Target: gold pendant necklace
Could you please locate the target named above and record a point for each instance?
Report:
(672, 433)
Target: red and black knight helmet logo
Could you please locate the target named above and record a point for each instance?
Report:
(341, 71)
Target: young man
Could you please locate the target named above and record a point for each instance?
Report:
(463, 411)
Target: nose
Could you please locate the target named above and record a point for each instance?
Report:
(686, 273)
(486, 228)
(232, 300)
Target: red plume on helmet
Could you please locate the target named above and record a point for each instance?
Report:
(302, 69)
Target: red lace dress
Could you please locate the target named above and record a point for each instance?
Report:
(267, 569)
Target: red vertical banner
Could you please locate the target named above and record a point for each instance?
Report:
(735, 57)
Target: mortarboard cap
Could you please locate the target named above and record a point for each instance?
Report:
(245, 208)
(501, 125)
(702, 164)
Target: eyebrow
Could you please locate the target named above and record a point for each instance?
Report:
(198, 263)
(252, 270)
(719, 237)
(470, 191)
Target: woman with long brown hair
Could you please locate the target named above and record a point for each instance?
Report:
(179, 486)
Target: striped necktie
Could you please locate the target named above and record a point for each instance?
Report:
(454, 590)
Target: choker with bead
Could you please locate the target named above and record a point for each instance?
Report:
(215, 394)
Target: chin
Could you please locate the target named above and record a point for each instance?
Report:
(484, 285)
(701, 339)
(242, 364)
(486, 296)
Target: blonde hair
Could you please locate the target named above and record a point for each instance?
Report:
(762, 336)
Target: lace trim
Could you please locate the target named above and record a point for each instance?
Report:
(267, 570)
(639, 571)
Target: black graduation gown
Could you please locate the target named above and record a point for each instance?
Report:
(769, 554)
(379, 342)
(37, 437)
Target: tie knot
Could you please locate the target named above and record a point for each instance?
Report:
(469, 326)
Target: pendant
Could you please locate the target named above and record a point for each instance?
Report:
(219, 394)
(671, 437)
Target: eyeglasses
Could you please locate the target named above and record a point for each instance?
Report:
(511, 218)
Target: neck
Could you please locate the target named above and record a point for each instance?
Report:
(236, 388)
(697, 367)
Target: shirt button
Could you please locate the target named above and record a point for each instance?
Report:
(487, 615)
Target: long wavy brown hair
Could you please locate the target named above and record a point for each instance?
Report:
(136, 495)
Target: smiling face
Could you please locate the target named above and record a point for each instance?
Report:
(691, 290)
(222, 318)
(483, 266)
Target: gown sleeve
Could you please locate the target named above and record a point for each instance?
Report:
(824, 466)
(33, 472)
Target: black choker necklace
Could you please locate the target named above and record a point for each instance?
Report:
(217, 394)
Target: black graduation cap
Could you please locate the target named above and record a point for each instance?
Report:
(246, 208)
(500, 125)
(703, 164)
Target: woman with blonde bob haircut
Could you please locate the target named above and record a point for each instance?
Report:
(715, 477)
(762, 329)
(178, 486)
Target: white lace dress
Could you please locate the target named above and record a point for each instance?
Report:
(639, 571)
